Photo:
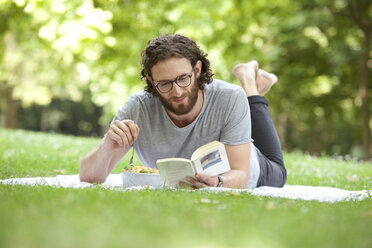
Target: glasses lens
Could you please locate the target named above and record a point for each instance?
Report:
(181, 82)
(165, 87)
(184, 81)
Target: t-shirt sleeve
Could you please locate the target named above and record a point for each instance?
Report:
(237, 128)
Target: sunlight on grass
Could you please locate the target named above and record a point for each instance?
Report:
(325, 171)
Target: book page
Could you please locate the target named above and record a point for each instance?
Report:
(173, 171)
(214, 162)
(205, 149)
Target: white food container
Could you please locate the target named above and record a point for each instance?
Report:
(141, 179)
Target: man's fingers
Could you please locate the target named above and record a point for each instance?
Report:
(112, 135)
(207, 180)
(118, 129)
(126, 129)
(196, 183)
(134, 129)
(200, 178)
(124, 132)
(119, 132)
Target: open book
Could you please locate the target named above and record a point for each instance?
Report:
(209, 159)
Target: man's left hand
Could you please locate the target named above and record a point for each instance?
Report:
(202, 181)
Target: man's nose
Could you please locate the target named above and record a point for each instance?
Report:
(177, 90)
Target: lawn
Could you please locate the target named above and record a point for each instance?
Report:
(44, 216)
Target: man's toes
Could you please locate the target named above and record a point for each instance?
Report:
(267, 77)
(236, 70)
(243, 70)
(240, 71)
(253, 64)
(265, 81)
(274, 77)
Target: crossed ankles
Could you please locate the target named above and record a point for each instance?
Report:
(253, 80)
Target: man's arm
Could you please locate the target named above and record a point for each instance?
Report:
(237, 177)
(98, 164)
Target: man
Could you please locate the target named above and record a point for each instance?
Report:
(183, 108)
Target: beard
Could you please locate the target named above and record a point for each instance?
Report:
(183, 108)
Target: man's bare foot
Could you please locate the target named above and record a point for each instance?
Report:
(247, 73)
(265, 81)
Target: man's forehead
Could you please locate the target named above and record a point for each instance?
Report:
(170, 68)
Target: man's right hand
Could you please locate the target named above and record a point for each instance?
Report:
(98, 163)
(121, 135)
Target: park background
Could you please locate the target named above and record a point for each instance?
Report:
(67, 66)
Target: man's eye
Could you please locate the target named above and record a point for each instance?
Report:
(182, 79)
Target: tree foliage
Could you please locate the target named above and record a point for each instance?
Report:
(320, 50)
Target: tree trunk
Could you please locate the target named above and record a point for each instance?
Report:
(8, 106)
(11, 114)
(359, 12)
(44, 123)
(363, 94)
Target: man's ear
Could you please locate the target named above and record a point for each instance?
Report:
(149, 78)
(198, 68)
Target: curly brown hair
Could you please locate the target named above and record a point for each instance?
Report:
(168, 46)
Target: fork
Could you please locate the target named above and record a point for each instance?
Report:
(131, 158)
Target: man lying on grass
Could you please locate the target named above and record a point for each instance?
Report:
(182, 107)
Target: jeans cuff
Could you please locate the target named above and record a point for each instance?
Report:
(257, 99)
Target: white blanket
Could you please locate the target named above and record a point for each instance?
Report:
(114, 181)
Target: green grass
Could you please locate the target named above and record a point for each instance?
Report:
(44, 216)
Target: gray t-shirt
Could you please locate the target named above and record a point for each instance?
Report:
(225, 117)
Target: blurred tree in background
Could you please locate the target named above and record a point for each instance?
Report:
(67, 66)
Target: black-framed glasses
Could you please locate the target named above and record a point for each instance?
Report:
(182, 81)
